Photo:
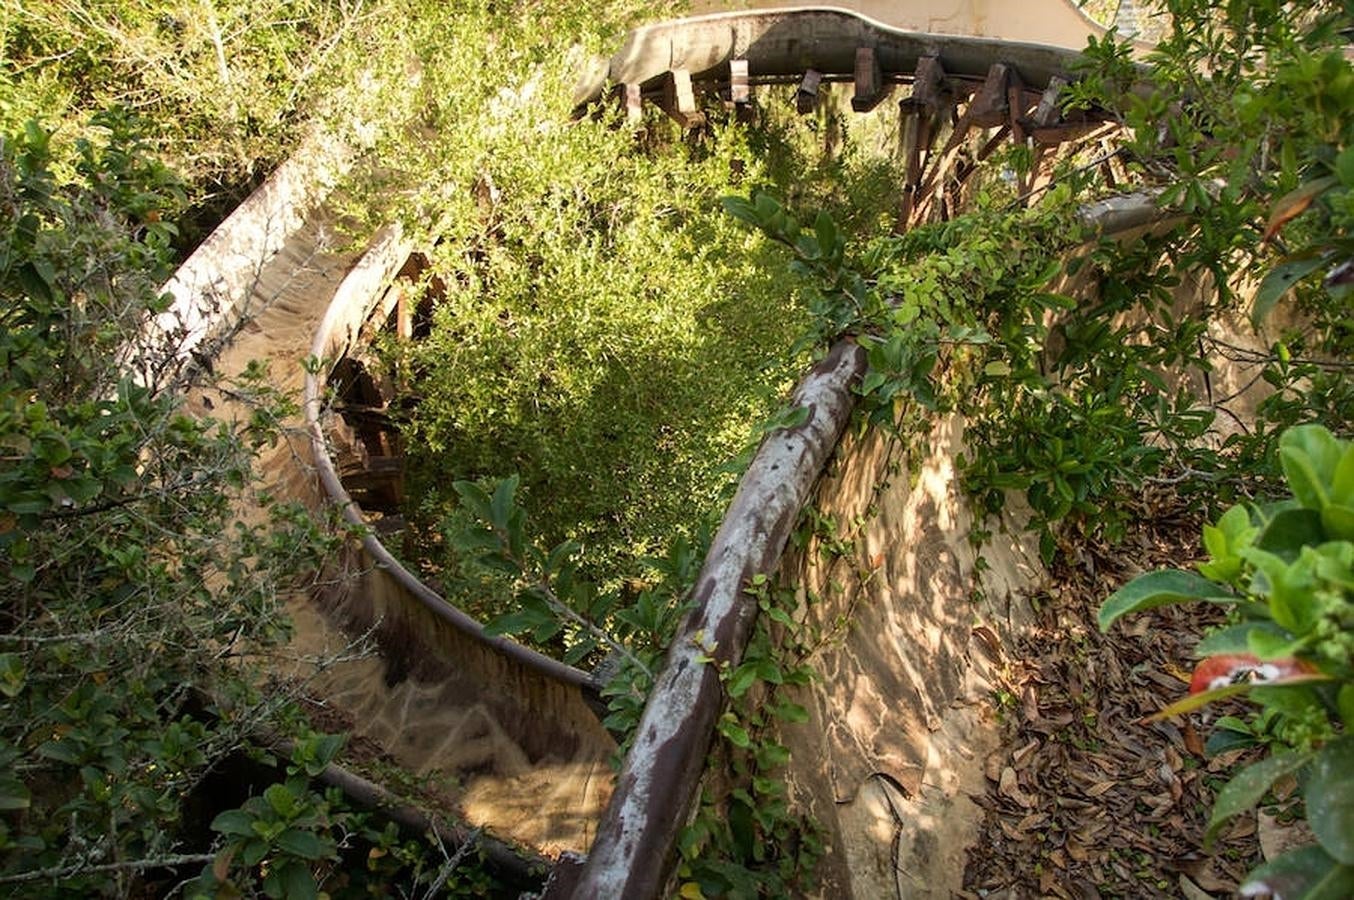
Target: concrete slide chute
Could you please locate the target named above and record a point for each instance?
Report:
(519, 731)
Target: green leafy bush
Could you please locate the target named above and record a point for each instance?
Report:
(1286, 572)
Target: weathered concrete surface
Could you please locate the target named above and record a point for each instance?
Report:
(1056, 22)
(897, 730)
(786, 42)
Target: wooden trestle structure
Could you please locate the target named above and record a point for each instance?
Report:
(962, 98)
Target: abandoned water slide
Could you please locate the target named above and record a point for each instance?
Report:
(891, 743)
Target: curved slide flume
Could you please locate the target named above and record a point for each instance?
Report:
(490, 692)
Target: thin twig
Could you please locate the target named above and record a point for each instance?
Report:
(131, 865)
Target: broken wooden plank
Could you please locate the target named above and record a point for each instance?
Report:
(869, 81)
(679, 99)
(806, 98)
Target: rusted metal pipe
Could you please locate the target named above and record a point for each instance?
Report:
(632, 853)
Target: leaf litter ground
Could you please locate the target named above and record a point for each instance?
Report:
(1087, 799)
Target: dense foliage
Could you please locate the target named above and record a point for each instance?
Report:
(130, 588)
(1286, 571)
(612, 337)
(604, 331)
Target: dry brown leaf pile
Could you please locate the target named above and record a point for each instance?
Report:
(1087, 800)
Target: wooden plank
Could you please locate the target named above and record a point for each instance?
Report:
(869, 79)
(679, 99)
(806, 98)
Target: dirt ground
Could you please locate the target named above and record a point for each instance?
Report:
(1087, 799)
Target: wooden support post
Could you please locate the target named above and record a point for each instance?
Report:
(869, 77)
(1016, 107)
(1048, 111)
(739, 90)
(921, 119)
(930, 90)
(991, 105)
(806, 98)
(632, 101)
(679, 99)
(404, 314)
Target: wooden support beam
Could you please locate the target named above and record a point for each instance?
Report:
(920, 118)
(632, 101)
(931, 90)
(994, 142)
(1053, 135)
(806, 98)
(869, 78)
(404, 313)
(739, 90)
(679, 99)
(991, 105)
(1049, 110)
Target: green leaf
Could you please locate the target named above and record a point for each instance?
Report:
(826, 231)
(1345, 702)
(1280, 281)
(1330, 799)
(14, 794)
(234, 822)
(1344, 167)
(1311, 456)
(1288, 532)
(1307, 873)
(500, 507)
(736, 734)
(1159, 589)
(474, 497)
(1249, 785)
(1235, 638)
(1342, 480)
(298, 842)
(791, 712)
(254, 852)
(280, 798)
(744, 677)
(1338, 521)
(1195, 701)
(740, 209)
